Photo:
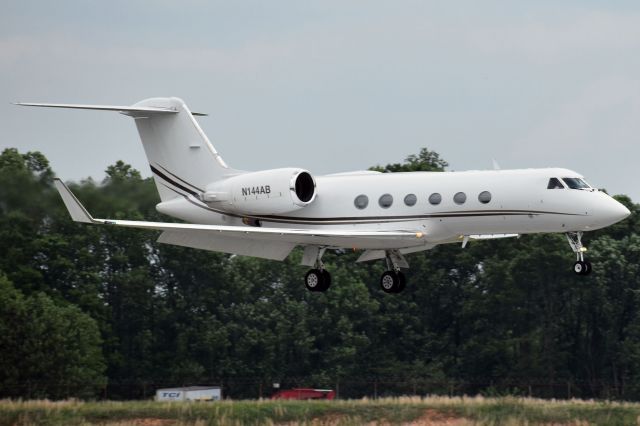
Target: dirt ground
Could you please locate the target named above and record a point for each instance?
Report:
(430, 417)
(437, 418)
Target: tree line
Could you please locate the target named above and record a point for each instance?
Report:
(91, 311)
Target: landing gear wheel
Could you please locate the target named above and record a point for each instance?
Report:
(313, 280)
(392, 282)
(582, 267)
(326, 280)
(388, 281)
(403, 282)
(317, 280)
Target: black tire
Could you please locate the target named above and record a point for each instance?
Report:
(314, 280)
(402, 282)
(579, 268)
(588, 269)
(390, 282)
(326, 281)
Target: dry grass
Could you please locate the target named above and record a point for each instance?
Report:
(433, 410)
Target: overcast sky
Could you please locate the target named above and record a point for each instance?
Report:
(333, 85)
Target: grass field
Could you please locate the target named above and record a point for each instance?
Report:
(408, 410)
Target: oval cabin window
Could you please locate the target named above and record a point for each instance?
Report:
(484, 197)
(385, 201)
(361, 201)
(410, 200)
(460, 198)
(435, 199)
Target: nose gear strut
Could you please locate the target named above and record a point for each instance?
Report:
(581, 266)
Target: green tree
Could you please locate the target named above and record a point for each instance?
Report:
(25, 198)
(49, 350)
(425, 161)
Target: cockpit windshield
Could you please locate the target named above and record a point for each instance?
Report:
(554, 183)
(576, 183)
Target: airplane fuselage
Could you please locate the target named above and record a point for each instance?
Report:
(442, 205)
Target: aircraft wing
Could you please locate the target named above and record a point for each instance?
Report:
(270, 243)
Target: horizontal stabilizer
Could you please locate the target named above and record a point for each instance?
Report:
(133, 111)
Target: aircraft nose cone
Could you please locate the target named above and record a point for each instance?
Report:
(617, 211)
(607, 211)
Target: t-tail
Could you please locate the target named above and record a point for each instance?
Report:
(181, 157)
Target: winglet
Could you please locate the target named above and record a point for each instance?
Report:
(76, 209)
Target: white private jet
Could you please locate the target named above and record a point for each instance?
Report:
(268, 213)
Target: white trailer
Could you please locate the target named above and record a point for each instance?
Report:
(191, 393)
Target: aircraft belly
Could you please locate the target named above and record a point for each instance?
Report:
(521, 224)
(502, 224)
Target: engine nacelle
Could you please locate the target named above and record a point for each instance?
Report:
(274, 191)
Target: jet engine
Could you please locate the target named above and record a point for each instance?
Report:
(266, 192)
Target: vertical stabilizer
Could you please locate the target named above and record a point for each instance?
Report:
(182, 158)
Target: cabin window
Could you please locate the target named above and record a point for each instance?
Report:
(484, 197)
(460, 198)
(361, 201)
(385, 201)
(435, 198)
(576, 183)
(410, 200)
(554, 183)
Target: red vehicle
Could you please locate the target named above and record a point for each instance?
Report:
(304, 393)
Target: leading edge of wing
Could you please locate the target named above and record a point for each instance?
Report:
(80, 214)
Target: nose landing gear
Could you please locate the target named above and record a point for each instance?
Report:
(581, 266)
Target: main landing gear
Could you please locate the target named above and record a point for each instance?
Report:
(582, 266)
(393, 280)
(318, 278)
